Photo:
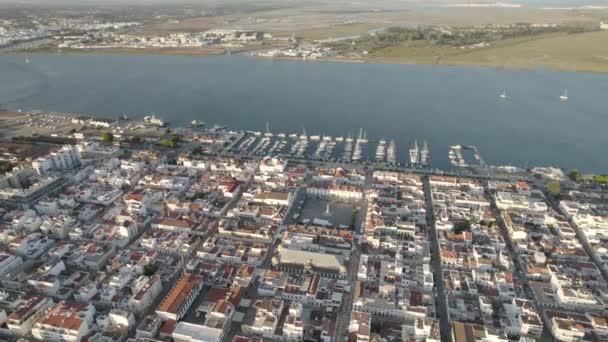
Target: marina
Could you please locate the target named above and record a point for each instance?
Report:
(382, 152)
(465, 156)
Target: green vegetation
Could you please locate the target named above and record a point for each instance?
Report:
(576, 176)
(168, 143)
(458, 36)
(554, 188)
(6, 166)
(150, 269)
(46, 139)
(136, 140)
(107, 137)
(601, 179)
(558, 51)
(171, 141)
(462, 226)
(353, 219)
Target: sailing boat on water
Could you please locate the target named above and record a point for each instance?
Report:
(503, 95)
(564, 95)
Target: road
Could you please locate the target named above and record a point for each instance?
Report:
(343, 317)
(440, 302)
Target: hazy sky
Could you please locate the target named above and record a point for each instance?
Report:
(259, 2)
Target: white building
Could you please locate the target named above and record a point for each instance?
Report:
(67, 158)
(271, 165)
(293, 329)
(145, 290)
(101, 122)
(335, 190)
(274, 198)
(66, 321)
(27, 312)
(188, 332)
(523, 319)
(8, 263)
(566, 330)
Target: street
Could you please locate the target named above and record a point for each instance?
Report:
(440, 302)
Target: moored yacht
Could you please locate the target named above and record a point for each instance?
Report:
(414, 153)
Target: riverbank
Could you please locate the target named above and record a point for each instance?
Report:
(166, 51)
(584, 52)
(186, 51)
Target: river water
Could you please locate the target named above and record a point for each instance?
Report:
(440, 104)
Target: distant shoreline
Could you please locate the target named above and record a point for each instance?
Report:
(565, 66)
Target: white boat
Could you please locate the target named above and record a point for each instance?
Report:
(564, 95)
(339, 139)
(414, 153)
(424, 153)
(391, 154)
(503, 95)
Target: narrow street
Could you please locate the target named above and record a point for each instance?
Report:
(343, 316)
(440, 298)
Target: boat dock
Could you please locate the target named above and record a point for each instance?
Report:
(319, 147)
(459, 154)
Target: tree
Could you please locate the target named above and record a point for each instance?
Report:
(176, 138)
(601, 179)
(150, 269)
(107, 137)
(554, 188)
(575, 175)
(168, 143)
(136, 140)
(6, 166)
(462, 226)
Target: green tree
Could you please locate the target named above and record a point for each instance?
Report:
(554, 188)
(136, 140)
(168, 143)
(575, 175)
(462, 226)
(176, 138)
(6, 166)
(107, 137)
(150, 269)
(601, 179)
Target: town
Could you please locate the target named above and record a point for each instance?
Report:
(111, 237)
(92, 33)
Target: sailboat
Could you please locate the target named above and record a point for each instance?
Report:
(503, 95)
(564, 95)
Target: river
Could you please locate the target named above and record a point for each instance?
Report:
(443, 105)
